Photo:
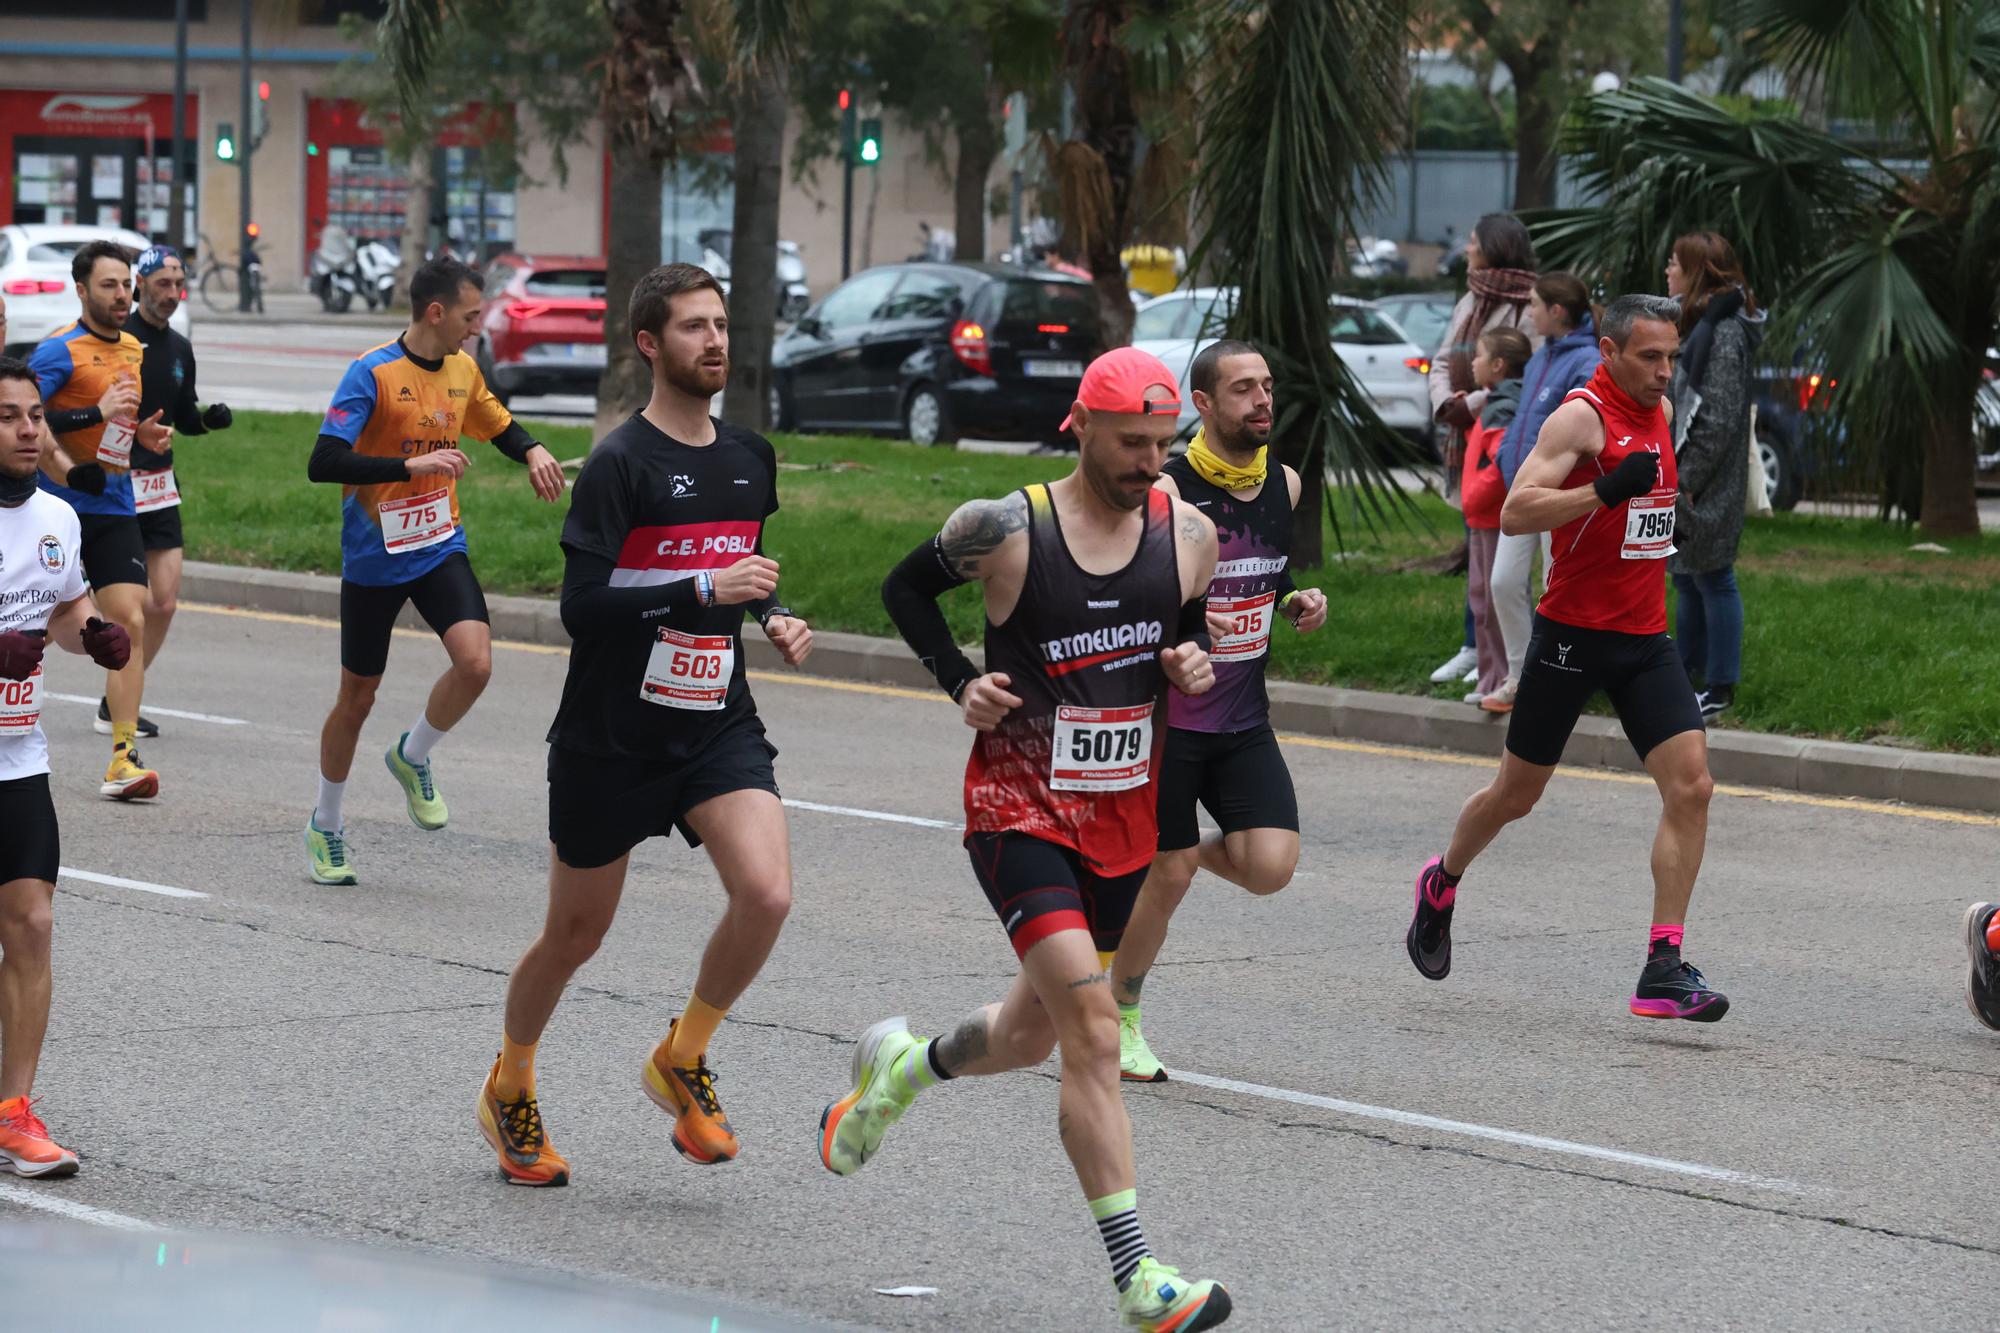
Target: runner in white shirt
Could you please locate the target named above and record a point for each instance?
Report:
(43, 597)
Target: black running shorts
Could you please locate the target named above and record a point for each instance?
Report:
(30, 847)
(1039, 888)
(448, 594)
(1642, 673)
(1239, 777)
(161, 529)
(601, 808)
(114, 550)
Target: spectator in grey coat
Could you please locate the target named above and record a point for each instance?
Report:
(1720, 330)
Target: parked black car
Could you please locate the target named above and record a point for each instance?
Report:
(935, 352)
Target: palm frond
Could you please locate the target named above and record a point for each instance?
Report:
(1302, 104)
(410, 32)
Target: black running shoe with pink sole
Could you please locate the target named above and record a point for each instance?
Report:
(1982, 973)
(1670, 988)
(1429, 936)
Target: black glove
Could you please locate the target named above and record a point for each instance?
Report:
(1633, 477)
(108, 645)
(86, 477)
(217, 416)
(20, 654)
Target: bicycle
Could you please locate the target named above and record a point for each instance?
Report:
(217, 282)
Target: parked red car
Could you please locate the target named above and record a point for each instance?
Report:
(541, 326)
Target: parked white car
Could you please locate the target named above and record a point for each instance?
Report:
(1176, 326)
(36, 283)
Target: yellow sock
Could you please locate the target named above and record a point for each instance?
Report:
(124, 733)
(689, 1040)
(1104, 959)
(516, 1074)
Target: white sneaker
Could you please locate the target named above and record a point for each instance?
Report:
(1461, 661)
(1470, 676)
(1475, 698)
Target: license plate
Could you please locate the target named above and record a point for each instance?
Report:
(1052, 370)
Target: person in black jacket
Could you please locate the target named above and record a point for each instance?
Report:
(166, 384)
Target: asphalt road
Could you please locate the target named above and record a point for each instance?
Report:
(1345, 1145)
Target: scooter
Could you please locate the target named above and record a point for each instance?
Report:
(794, 297)
(375, 274)
(334, 280)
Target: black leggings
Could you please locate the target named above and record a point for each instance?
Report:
(448, 594)
(1565, 666)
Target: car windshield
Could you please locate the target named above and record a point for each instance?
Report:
(54, 252)
(573, 282)
(1423, 321)
(1042, 301)
(1360, 325)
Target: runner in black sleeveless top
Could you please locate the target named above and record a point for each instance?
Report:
(1094, 605)
(1220, 749)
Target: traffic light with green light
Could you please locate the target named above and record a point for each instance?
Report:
(225, 141)
(869, 150)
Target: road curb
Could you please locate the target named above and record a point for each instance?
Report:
(1741, 758)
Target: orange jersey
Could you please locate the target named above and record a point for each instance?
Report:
(389, 405)
(74, 366)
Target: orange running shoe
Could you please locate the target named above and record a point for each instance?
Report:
(515, 1130)
(687, 1092)
(25, 1146)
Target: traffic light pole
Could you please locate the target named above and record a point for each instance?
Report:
(847, 151)
(176, 202)
(243, 165)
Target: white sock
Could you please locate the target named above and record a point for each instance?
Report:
(326, 815)
(422, 737)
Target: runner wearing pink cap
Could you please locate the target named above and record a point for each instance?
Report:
(1094, 590)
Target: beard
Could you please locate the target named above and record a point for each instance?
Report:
(697, 379)
(1120, 491)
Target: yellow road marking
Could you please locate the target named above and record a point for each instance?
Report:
(1850, 803)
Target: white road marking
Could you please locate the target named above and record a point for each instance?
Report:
(882, 815)
(163, 712)
(33, 1196)
(1415, 1119)
(91, 877)
(1420, 1121)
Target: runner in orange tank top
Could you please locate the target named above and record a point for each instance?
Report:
(1602, 478)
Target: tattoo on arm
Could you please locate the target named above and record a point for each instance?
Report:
(977, 530)
(1191, 528)
(1094, 979)
(964, 1046)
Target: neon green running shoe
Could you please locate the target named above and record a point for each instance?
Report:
(851, 1129)
(427, 810)
(327, 853)
(1157, 1300)
(1136, 1061)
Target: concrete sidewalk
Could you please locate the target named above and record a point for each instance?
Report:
(1744, 758)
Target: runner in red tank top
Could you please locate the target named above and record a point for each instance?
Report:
(1602, 479)
(1095, 589)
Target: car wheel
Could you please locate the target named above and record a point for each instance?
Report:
(482, 357)
(1782, 482)
(781, 415)
(925, 419)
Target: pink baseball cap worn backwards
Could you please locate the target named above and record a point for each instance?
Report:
(1118, 381)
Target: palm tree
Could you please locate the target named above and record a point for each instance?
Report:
(1882, 266)
(1301, 101)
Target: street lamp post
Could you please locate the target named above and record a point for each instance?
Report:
(243, 165)
(1676, 40)
(176, 204)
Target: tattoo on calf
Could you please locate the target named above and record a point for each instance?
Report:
(965, 1045)
(978, 528)
(1132, 985)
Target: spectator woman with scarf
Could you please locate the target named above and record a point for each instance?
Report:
(1721, 327)
(1500, 267)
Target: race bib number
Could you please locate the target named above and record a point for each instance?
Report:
(114, 447)
(1649, 528)
(155, 490)
(689, 670)
(1249, 635)
(20, 704)
(1101, 749)
(420, 521)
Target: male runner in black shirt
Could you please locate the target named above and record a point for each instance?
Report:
(656, 730)
(166, 384)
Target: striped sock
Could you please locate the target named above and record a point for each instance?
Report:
(917, 1070)
(1118, 1226)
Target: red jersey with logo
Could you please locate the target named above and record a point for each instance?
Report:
(1074, 764)
(656, 511)
(1609, 568)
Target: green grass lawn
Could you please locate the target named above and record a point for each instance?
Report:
(1848, 634)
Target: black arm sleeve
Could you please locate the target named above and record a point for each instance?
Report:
(1193, 624)
(75, 418)
(590, 605)
(910, 595)
(764, 607)
(515, 442)
(334, 459)
(187, 412)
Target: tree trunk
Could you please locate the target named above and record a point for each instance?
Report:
(1951, 499)
(978, 146)
(416, 218)
(759, 121)
(1536, 119)
(632, 251)
(1100, 74)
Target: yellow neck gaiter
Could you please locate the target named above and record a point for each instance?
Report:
(1217, 471)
